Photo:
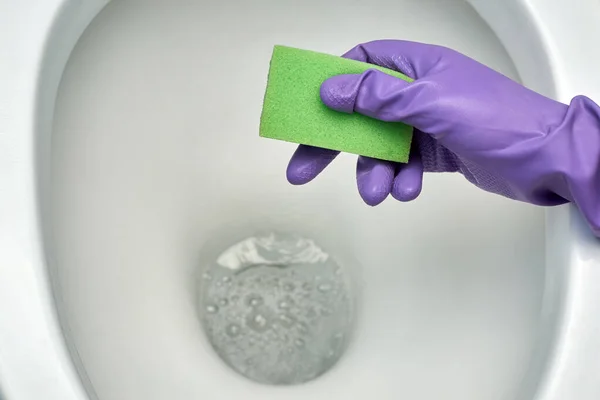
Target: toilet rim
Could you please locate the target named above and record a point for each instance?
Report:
(34, 359)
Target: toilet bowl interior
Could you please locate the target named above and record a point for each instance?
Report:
(157, 167)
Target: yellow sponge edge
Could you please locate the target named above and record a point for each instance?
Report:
(293, 110)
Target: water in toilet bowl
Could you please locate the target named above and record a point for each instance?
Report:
(276, 308)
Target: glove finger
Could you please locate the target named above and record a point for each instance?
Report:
(381, 96)
(411, 58)
(409, 179)
(374, 179)
(308, 162)
(356, 53)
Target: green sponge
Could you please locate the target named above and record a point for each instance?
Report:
(293, 110)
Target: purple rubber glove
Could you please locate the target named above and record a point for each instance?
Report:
(501, 136)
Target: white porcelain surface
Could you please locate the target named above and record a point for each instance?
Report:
(156, 151)
(155, 162)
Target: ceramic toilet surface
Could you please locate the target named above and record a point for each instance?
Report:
(130, 157)
(173, 107)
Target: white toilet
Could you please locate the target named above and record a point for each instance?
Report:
(130, 158)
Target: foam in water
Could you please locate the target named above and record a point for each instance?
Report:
(276, 308)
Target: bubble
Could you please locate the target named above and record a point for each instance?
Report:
(257, 322)
(226, 279)
(299, 343)
(212, 309)
(260, 320)
(286, 303)
(233, 330)
(206, 276)
(325, 287)
(254, 300)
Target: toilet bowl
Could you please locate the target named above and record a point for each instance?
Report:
(130, 159)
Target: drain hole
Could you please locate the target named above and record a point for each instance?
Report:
(277, 309)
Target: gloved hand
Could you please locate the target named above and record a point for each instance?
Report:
(469, 119)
